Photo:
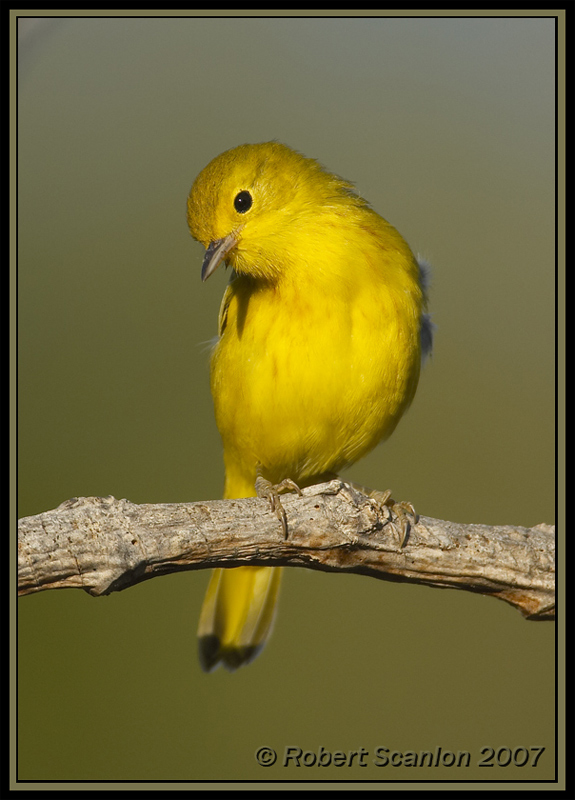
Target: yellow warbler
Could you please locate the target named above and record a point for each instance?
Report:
(322, 330)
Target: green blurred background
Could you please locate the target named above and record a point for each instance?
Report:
(447, 126)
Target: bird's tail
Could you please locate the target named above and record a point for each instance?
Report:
(237, 615)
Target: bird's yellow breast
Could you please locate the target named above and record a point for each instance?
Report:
(312, 371)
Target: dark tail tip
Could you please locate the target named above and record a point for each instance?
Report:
(211, 654)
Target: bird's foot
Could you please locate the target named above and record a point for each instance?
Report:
(268, 491)
(404, 512)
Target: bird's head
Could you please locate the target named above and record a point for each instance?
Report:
(250, 207)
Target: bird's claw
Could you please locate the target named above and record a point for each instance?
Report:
(404, 512)
(268, 491)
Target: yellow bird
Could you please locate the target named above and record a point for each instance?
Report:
(322, 330)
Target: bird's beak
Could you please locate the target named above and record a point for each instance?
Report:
(216, 252)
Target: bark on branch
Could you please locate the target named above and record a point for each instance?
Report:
(104, 545)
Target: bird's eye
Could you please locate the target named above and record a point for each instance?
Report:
(243, 202)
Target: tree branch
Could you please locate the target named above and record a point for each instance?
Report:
(104, 545)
